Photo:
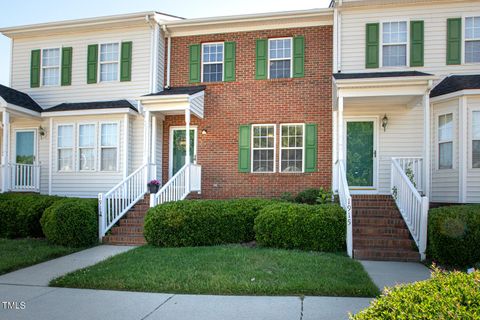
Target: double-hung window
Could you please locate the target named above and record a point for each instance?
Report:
(394, 44)
(109, 57)
(108, 146)
(476, 139)
(472, 40)
(263, 148)
(51, 67)
(65, 148)
(291, 147)
(445, 141)
(280, 58)
(86, 147)
(212, 62)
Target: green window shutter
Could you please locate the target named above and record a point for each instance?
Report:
(244, 148)
(311, 146)
(195, 63)
(454, 41)
(261, 51)
(229, 63)
(35, 69)
(66, 66)
(298, 57)
(126, 61)
(92, 63)
(416, 43)
(372, 45)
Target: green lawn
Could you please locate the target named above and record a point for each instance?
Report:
(16, 254)
(226, 270)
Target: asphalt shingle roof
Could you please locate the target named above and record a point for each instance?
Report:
(178, 90)
(19, 98)
(91, 105)
(456, 83)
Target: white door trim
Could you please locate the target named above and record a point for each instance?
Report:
(170, 146)
(375, 119)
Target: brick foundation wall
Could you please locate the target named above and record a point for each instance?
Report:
(250, 101)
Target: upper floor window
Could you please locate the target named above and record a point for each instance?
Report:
(476, 139)
(212, 62)
(280, 58)
(445, 141)
(109, 57)
(394, 44)
(263, 148)
(472, 39)
(51, 67)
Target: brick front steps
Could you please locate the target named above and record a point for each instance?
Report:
(379, 231)
(129, 229)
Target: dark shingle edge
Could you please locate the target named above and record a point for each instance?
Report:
(456, 83)
(178, 90)
(19, 98)
(373, 75)
(116, 104)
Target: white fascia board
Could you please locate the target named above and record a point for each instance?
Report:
(3, 103)
(455, 95)
(339, 83)
(89, 112)
(22, 110)
(164, 99)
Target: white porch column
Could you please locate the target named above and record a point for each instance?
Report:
(5, 151)
(187, 147)
(147, 134)
(340, 130)
(126, 143)
(334, 151)
(153, 149)
(426, 142)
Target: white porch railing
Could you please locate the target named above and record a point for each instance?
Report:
(412, 206)
(178, 188)
(24, 177)
(114, 204)
(346, 203)
(413, 168)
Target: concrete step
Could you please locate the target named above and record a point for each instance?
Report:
(383, 254)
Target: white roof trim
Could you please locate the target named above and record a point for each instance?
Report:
(19, 109)
(456, 94)
(87, 112)
(359, 82)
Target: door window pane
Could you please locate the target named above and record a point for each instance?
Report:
(180, 148)
(360, 153)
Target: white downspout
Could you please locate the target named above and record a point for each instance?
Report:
(50, 157)
(335, 40)
(169, 52)
(5, 150)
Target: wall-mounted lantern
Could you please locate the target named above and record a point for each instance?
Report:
(384, 122)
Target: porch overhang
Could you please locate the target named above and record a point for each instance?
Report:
(18, 103)
(176, 101)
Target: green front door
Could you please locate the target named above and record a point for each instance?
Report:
(360, 153)
(179, 148)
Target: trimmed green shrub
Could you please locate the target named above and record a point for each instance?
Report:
(454, 295)
(8, 219)
(202, 222)
(71, 222)
(308, 196)
(454, 235)
(300, 226)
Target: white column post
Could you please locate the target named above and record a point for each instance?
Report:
(153, 149)
(426, 143)
(340, 129)
(334, 152)
(187, 147)
(146, 142)
(50, 157)
(126, 143)
(5, 150)
(462, 145)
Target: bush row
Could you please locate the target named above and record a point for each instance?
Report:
(454, 235)
(271, 223)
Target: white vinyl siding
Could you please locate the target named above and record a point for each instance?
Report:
(263, 148)
(280, 58)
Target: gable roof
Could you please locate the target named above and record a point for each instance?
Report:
(19, 98)
(372, 75)
(178, 90)
(91, 105)
(456, 83)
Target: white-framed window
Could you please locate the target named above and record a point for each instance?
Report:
(280, 58)
(394, 44)
(263, 148)
(65, 147)
(472, 40)
(108, 146)
(212, 62)
(445, 141)
(51, 67)
(292, 147)
(109, 61)
(86, 147)
(476, 139)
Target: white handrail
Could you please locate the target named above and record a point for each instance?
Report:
(413, 168)
(24, 177)
(412, 206)
(177, 188)
(346, 203)
(114, 204)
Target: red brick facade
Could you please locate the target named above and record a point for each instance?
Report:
(250, 101)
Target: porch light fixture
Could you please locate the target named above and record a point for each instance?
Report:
(384, 122)
(42, 132)
(204, 131)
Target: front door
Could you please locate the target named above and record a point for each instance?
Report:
(24, 156)
(360, 154)
(178, 148)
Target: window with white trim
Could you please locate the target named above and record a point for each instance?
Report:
(394, 44)
(108, 146)
(65, 147)
(291, 147)
(472, 40)
(51, 67)
(109, 61)
(86, 147)
(280, 58)
(212, 62)
(263, 148)
(445, 141)
(476, 139)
